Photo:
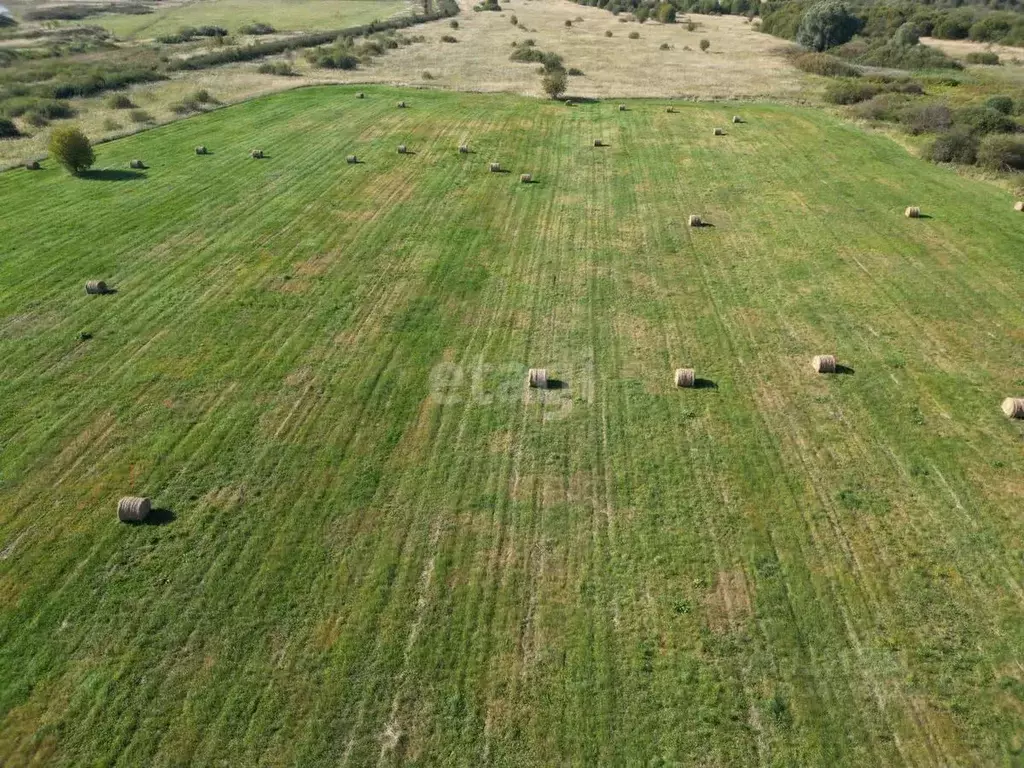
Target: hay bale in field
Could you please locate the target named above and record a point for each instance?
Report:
(136, 164)
(719, 132)
(401, 105)
(133, 509)
(201, 150)
(695, 221)
(360, 95)
(736, 119)
(463, 149)
(824, 363)
(351, 159)
(912, 212)
(402, 149)
(526, 178)
(538, 378)
(622, 107)
(495, 167)
(32, 165)
(684, 377)
(1013, 407)
(256, 154)
(670, 110)
(1018, 206)
(95, 287)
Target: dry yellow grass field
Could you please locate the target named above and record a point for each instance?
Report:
(741, 64)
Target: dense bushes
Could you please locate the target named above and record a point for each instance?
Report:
(186, 34)
(8, 130)
(1002, 104)
(282, 68)
(256, 28)
(78, 11)
(1001, 153)
(825, 65)
(984, 120)
(983, 57)
(120, 101)
(70, 147)
(954, 147)
(849, 92)
(826, 25)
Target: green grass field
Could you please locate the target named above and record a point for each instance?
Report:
(290, 15)
(379, 547)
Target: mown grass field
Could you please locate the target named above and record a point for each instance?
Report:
(365, 559)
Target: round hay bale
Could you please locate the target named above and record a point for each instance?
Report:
(1013, 407)
(670, 110)
(538, 378)
(95, 287)
(719, 132)
(736, 119)
(695, 221)
(824, 363)
(32, 165)
(402, 149)
(257, 154)
(622, 107)
(351, 159)
(133, 509)
(684, 377)
(912, 212)
(526, 178)
(463, 149)
(138, 164)
(360, 95)
(200, 150)
(495, 167)
(1018, 206)
(401, 105)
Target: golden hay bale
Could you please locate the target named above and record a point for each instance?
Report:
(736, 119)
(495, 167)
(684, 377)
(360, 95)
(1013, 407)
(95, 286)
(538, 378)
(622, 107)
(351, 159)
(257, 154)
(912, 212)
(32, 165)
(463, 149)
(526, 178)
(695, 221)
(402, 149)
(201, 150)
(401, 105)
(133, 509)
(1018, 206)
(824, 363)
(136, 164)
(719, 132)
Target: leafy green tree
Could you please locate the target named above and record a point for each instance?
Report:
(554, 82)
(907, 35)
(667, 13)
(70, 147)
(826, 25)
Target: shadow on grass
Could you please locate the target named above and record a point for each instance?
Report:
(581, 100)
(110, 174)
(704, 384)
(557, 384)
(158, 516)
(845, 370)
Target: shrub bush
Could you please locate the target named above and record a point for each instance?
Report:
(664, 46)
(849, 92)
(280, 68)
(70, 147)
(957, 146)
(568, 22)
(120, 101)
(983, 121)
(8, 130)
(514, 20)
(885, 107)
(634, 35)
(574, 72)
(448, 39)
(907, 34)
(927, 118)
(906, 57)
(554, 82)
(186, 34)
(455, 25)
(256, 28)
(1001, 153)
(110, 124)
(140, 116)
(983, 57)
(427, 76)
(608, 33)
(825, 65)
(705, 44)
(1002, 104)
(826, 25)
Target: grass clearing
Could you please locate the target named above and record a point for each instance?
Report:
(385, 549)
